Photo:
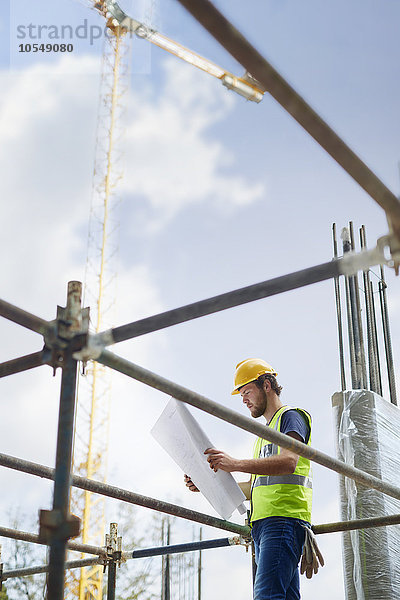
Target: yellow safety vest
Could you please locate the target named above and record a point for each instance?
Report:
(281, 495)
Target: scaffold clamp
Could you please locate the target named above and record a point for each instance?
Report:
(53, 525)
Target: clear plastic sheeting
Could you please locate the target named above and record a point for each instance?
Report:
(368, 437)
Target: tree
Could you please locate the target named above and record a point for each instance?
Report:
(17, 555)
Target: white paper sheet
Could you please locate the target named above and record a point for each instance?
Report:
(178, 432)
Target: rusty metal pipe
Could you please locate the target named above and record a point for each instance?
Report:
(72, 564)
(24, 536)
(230, 416)
(356, 524)
(24, 363)
(59, 533)
(239, 47)
(111, 491)
(24, 318)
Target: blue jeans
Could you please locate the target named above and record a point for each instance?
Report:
(278, 543)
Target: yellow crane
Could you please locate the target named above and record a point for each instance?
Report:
(93, 411)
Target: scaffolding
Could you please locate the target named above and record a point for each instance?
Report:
(67, 341)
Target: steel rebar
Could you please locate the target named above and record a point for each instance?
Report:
(226, 414)
(356, 291)
(104, 489)
(339, 314)
(371, 338)
(387, 339)
(357, 367)
(24, 363)
(24, 536)
(237, 45)
(227, 300)
(24, 318)
(375, 340)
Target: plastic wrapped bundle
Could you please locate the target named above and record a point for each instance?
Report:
(368, 437)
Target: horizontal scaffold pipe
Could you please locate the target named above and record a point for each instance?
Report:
(179, 548)
(24, 363)
(24, 536)
(111, 491)
(241, 49)
(72, 564)
(357, 524)
(145, 552)
(26, 319)
(226, 414)
(257, 291)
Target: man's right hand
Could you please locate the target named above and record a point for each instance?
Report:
(189, 484)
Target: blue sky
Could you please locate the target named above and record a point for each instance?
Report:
(218, 193)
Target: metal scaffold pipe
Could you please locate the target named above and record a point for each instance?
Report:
(56, 525)
(24, 363)
(384, 521)
(230, 416)
(72, 564)
(241, 49)
(111, 491)
(24, 536)
(179, 548)
(203, 545)
(237, 297)
(24, 318)
(128, 555)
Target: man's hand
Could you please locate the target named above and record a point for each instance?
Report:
(221, 460)
(189, 484)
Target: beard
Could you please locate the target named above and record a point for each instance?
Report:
(258, 411)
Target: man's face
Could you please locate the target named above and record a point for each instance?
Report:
(254, 398)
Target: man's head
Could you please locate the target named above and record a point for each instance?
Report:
(250, 370)
(255, 381)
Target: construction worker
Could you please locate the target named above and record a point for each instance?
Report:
(280, 484)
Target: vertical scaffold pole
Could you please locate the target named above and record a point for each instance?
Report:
(59, 522)
(199, 568)
(114, 546)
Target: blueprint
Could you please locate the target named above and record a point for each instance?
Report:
(178, 432)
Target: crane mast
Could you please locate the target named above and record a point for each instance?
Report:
(93, 409)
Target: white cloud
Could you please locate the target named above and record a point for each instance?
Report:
(171, 156)
(47, 121)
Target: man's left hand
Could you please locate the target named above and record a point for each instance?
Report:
(220, 460)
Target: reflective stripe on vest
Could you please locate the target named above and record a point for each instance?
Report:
(284, 479)
(282, 495)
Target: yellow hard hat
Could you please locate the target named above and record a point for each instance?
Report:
(249, 370)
